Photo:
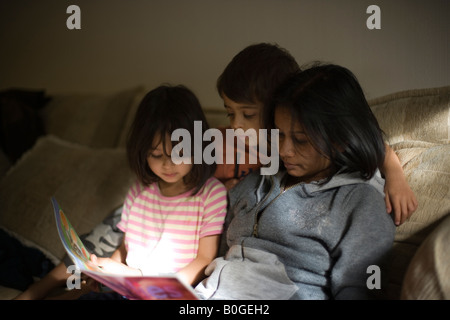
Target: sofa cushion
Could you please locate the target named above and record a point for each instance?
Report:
(427, 170)
(427, 167)
(130, 118)
(414, 115)
(20, 121)
(428, 274)
(7, 293)
(88, 183)
(95, 120)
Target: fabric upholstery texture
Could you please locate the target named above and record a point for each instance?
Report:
(421, 114)
(416, 123)
(88, 184)
(428, 274)
(94, 120)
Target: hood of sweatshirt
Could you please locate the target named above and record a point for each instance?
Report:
(274, 183)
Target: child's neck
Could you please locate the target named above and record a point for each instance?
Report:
(288, 181)
(172, 189)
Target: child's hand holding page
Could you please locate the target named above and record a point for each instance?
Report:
(112, 266)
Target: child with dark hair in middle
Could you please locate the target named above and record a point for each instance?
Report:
(316, 228)
(246, 87)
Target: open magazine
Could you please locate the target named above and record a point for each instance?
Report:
(155, 287)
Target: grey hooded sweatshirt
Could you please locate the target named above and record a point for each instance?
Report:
(310, 241)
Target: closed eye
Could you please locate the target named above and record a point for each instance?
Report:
(156, 155)
(300, 141)
(249, 116)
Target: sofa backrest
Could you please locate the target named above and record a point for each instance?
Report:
(422, 114)
(416, 123)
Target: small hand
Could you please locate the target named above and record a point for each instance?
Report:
(109, 265)
(229, 184)
(400, 198)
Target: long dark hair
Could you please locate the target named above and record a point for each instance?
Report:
(161, 111)
(329, 103)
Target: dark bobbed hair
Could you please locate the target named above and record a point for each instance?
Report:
(160, 112)
(329, 103)
(255, 72)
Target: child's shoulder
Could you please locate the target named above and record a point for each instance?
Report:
(137, 188)
(213, 183)
(249, 182)
(213, 190)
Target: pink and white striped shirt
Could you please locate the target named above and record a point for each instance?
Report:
(162, 233)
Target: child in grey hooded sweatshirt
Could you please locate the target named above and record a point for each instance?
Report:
(318, 228)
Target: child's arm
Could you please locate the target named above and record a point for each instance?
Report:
(116, 264)
(398, 195)
(112, 266)
(57, 277)
(120, 254)
(194, 272)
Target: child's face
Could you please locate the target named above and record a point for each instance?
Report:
(161, 163)
(299, 156)
(243, 115)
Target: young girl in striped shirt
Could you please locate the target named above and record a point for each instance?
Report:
(173, 215)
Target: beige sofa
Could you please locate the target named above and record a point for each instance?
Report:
(81, 161)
